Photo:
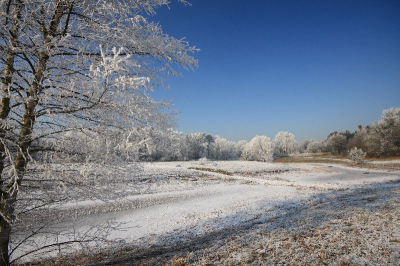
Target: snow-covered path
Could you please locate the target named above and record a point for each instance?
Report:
(242, 197)
(209, 208)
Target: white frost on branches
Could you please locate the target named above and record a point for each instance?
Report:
(258, 149)
(284, 143)
(76, 77)
(356, 155)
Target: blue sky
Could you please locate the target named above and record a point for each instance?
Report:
(307, 67)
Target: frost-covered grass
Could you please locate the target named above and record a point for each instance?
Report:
(360, 227)
(235, 212)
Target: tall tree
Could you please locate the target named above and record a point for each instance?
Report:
(71, 65)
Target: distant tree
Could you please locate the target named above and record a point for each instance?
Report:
(336, 143)
(349, 135)
(154, 144)
(196, 145)
(258, 149)
(209, 141)
(382, 138)
(314, 147)
(303, 145)
(223, 149)
(240, 145)
(371, 139)
(284, 143)
(358, 140)
(388, 127)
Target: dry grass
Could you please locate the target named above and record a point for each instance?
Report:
(337, 159)
(326, 158)
(392, 158)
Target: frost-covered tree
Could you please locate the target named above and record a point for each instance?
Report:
(303, 145)
(258, 149)
(382, 138)
(209, 141)
(284, 143)
(196, 145)
(223, 149)
(75, 66)
(388, 129)
(336, 143)
(240, 145)
(90, 146)
(314, 146)
(160, 145)
(358, 140)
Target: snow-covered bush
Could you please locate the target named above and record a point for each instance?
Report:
(356, 155)
(203, 161)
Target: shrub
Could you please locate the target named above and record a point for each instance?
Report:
(356, 155)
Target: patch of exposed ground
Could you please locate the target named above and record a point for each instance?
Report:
(204, 169)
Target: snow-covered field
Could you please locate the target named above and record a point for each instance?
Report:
(175, 204)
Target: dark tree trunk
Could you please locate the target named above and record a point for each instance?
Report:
(6, 206)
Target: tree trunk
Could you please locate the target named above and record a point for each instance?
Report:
(4, 240)
(9, 195)
(5, 109)
(6, 206)
(7, 81)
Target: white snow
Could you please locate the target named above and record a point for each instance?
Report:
(171, 199)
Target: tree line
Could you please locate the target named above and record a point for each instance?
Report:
(380, 139)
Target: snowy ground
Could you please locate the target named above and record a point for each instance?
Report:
(248, 210)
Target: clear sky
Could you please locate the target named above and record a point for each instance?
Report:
(307, 67)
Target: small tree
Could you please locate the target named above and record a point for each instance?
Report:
(356, 155)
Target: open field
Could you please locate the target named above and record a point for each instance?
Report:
(238, 212)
